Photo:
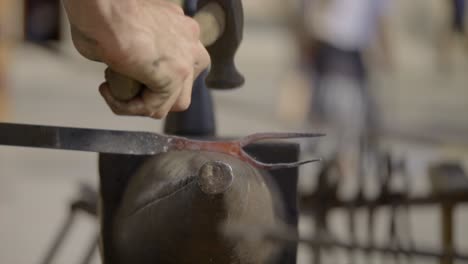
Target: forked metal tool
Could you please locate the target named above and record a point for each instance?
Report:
(136, 143)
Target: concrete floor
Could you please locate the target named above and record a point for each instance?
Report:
(417, 100)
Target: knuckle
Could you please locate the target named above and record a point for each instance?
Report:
(124, 51)
(182, 70)
(115, 59)
(88, 47)
(174, 7)
(155, 104)
(205, 58)
(159, 114)
(178, 9)
(182, 104)
(202, 60)
(193, 27)
(116, 110)
(201, 54)
(85, 51)
(161, 84)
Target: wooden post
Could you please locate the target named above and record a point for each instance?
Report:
(5, 9)
(447, 233)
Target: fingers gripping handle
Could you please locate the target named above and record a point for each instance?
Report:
(122, 87)
(213, 21)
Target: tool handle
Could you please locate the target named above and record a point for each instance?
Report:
(212, 21)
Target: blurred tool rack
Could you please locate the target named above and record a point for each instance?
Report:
(449, 190)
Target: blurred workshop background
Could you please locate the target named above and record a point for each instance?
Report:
(393, 180)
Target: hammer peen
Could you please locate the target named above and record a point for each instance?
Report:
(221, 26)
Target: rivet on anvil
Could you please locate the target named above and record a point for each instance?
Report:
(215, 177)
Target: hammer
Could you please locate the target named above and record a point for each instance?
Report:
(221, 24)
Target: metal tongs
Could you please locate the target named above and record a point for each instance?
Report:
(235, 148)
(136, 143)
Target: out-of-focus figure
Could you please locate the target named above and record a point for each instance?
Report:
(458, 12)
(344, 31)
(456, 30)
(336, 37)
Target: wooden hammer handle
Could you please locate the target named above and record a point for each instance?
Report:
(212, 21)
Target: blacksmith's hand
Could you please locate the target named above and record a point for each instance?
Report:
(151, 41)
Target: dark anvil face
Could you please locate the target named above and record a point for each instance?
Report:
(176, 206)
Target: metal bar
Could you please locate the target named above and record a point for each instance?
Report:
(83, 139)
(318, 242)
(92, 248)
(309, 201)
(447, 232)
(446, 201)
(414, 252)
(60, 238)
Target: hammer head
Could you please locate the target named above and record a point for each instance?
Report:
(223, 73)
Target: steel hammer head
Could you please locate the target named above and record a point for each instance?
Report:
(223, 73)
